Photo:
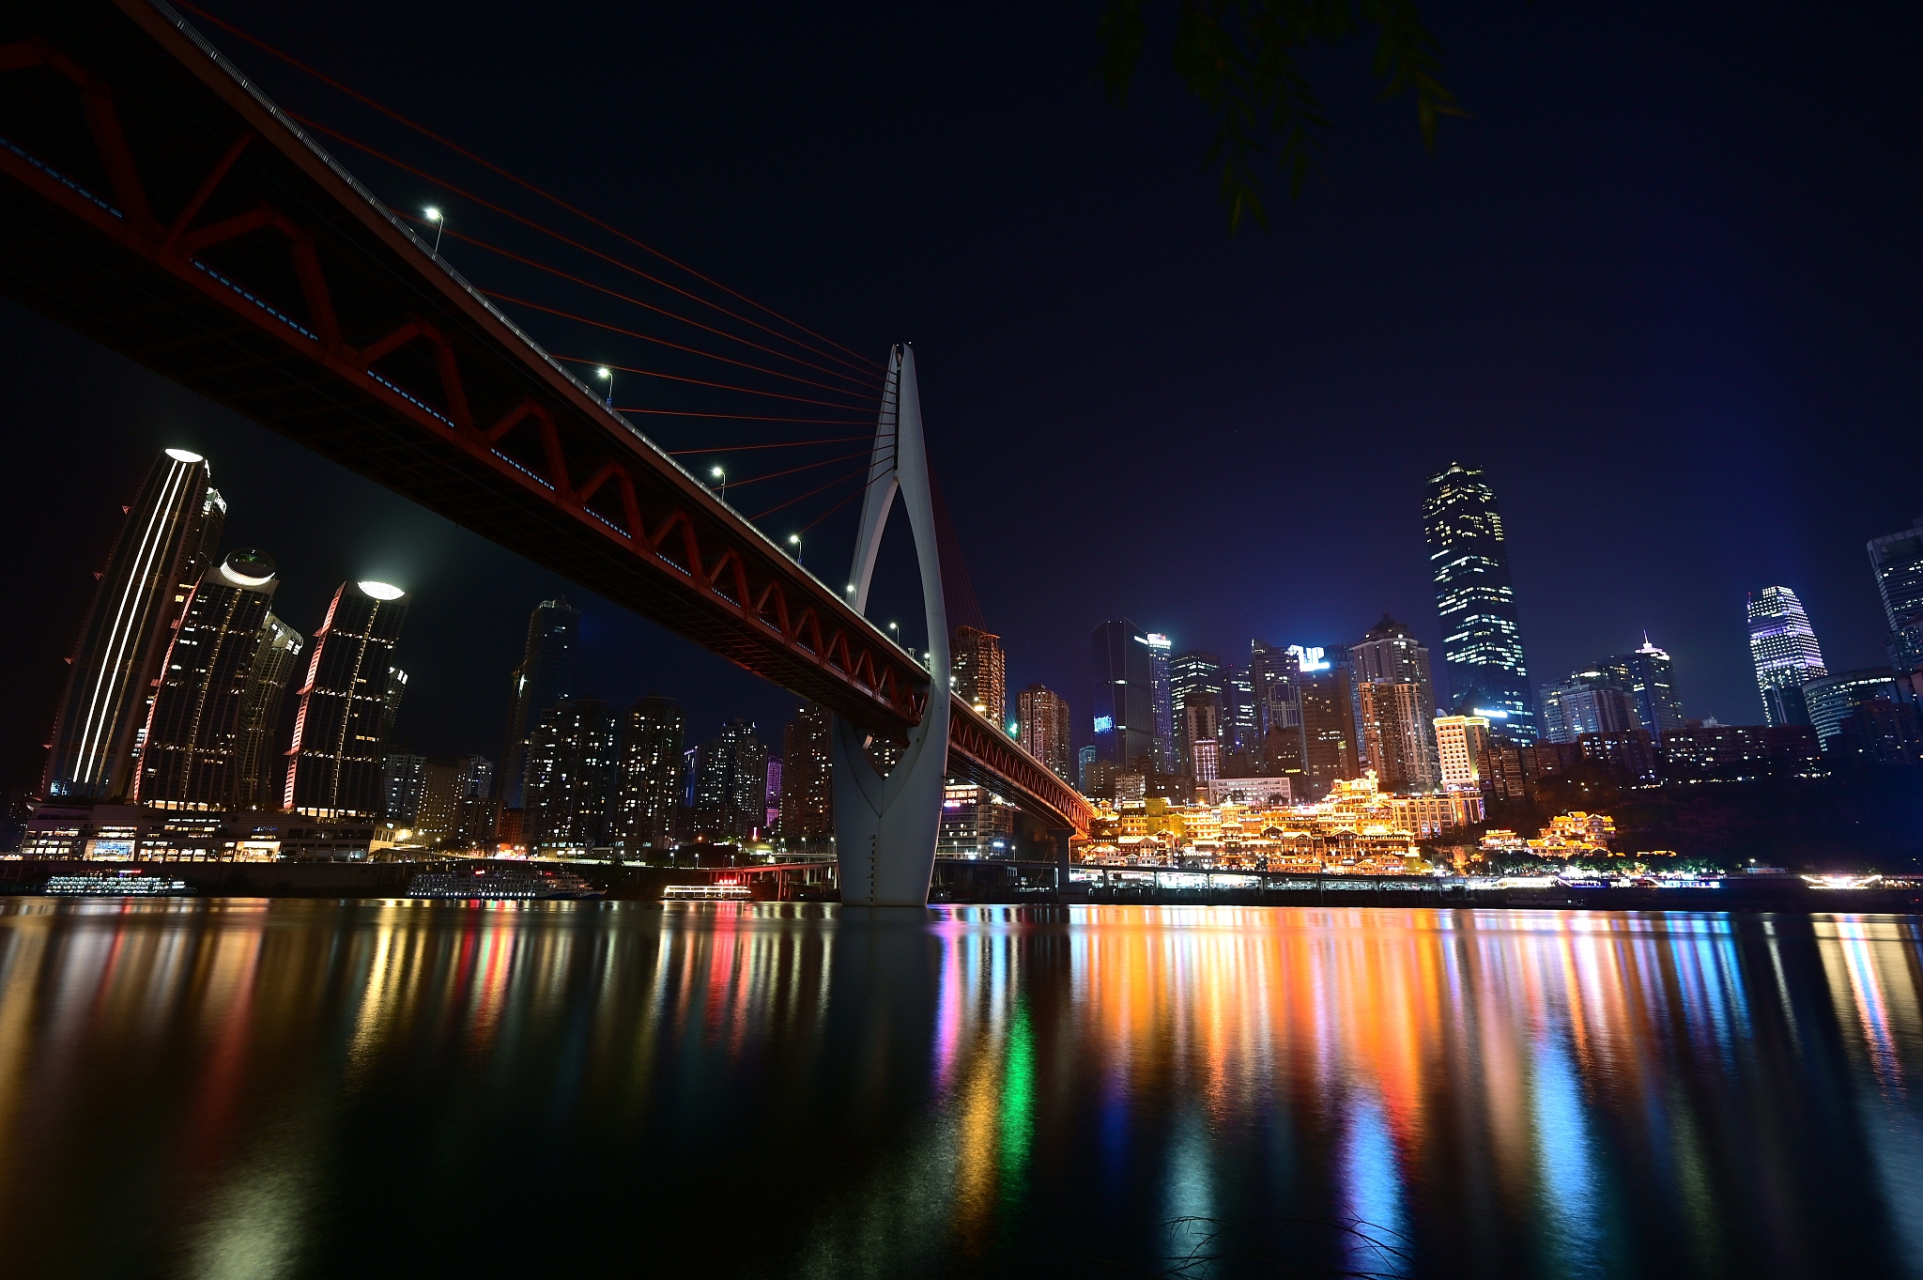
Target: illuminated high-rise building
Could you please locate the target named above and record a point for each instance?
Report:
(1897, 561)
(730, 783)
(403, 785)
(1162, 698)
(192, 751)
(1398, 739)
(1783, 649)
(334, 764)
(807, 779)
(1045, 728)
(1124, 701)
(1462, 743)
(545, 676)
(457, 801)
(1195, 678)
(1481, 641)
(570, 771)
(1202, 735)
(647, 794)
(1402, 751)
(165, 544)
(1647, 676)
(1239, 713)
(1589, 701)
(258, 785)
(981, 672)
(1328, 745)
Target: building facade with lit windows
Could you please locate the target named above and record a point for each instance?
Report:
(192, 750)
(730, 784)
(1784, 652)
(1649, 678)
(334, 763)
(1042, 719)
(570, 772)
(1589, 701)
(166, 542)
(807, 778)
(259, 766)
(975, 823)
(544, 677)
(1476, 601)
(1897, 561)
(1162, 698)
(981, 672)
(647, 796)
(1123, 706)
(1461, 743)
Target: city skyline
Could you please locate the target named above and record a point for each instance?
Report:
(1505, 387)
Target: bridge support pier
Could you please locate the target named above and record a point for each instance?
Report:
(886, 827)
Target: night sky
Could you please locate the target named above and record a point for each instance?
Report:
(1664, 286)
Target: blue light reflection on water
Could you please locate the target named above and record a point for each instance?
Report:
(786, 1091)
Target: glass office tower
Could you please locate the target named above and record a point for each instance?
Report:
(1124, 703)
(1481, 641)
(1783, 648)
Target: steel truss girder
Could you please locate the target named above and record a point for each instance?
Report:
(721, 581)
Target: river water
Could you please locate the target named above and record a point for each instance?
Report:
(263, 1089)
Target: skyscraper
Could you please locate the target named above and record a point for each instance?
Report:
(1589, 701)
(731, 777)
(403, 786)
(456, 800)
(1045, 728)
(570, 771)
(1897, 561)
(1328, 728)
(1272, 684)
(1481, 642)
(981, 672)
(1124, 702)
(1239, 712)
(1398, 736)
(1196, 678)
(1162, 699)
(1461, 744)
(167, 540)
(647, 795)
(1646, 675)
(1389, 653)
(191, 754)
(1783, 649)
(334, 764)
(545, 676)
(807, 785)
(1831, 698)
(259, 764)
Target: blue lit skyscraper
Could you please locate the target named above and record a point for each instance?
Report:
(1783, 648)
(1481, 643)
(1124, 693)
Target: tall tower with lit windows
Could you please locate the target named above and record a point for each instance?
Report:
(166, 543)
(1481, 641)
(334, 765)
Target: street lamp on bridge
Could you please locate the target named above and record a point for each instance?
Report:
(721, 482)
(607, 375)
(794, 540)
(440, 224)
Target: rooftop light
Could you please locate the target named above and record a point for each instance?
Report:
(380, 590)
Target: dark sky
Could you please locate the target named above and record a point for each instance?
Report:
(1664, 286)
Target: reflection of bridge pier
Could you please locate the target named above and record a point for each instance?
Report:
(155, 201)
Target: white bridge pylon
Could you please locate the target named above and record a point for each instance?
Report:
(886, 827)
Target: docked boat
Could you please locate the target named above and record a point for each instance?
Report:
(707, 892)
(514, 880)
(126, 882)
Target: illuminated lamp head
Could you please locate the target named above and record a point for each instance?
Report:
(182, 455)
(380, 590)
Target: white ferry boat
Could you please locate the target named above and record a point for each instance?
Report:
(127, 882)
(707, 892)
(517, 880)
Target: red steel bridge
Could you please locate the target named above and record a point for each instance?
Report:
(153, 199)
